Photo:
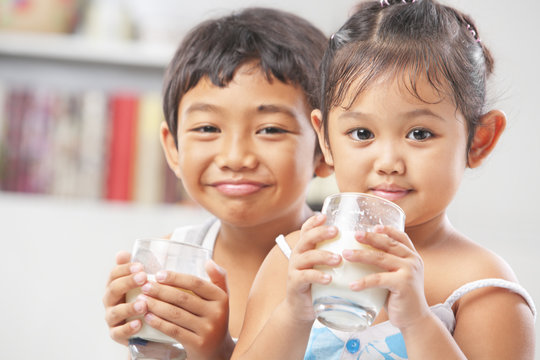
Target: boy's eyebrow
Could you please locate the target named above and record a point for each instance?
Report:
(272, 108)
(201, 107)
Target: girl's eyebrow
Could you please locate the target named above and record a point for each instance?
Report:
(358, 115)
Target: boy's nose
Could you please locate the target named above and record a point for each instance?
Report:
(236, 155)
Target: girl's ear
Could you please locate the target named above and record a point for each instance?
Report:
(486, 136)
(169, 148)
(316, 122)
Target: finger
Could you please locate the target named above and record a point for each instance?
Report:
(310, 258)
(309, 277)
(395, 234)
(117, 315)
(175, 297)
(200, 287)
(375, 257)
(183, 335)
(217, 275)
(312, 236)
(122, 333)
(383, 242)
(168, 314)
(123, 257)
(117, 289)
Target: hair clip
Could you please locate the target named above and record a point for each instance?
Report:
(473, 33)
(384, 2)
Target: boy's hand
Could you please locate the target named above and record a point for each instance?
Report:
(124, 277)
(393, 251)
(301, 273)
(193, 311)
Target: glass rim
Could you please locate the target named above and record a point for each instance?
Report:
(173, 242)
(359, 194)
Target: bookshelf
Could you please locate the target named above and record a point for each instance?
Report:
(42, 70)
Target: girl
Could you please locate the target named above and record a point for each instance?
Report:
(402, 116)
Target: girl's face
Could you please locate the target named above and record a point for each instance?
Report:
(393, 145)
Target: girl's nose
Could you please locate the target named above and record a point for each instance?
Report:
(390, 161)
(236, 155)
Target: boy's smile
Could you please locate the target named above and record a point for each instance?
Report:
(246, 150)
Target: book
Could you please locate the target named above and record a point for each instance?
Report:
(93, 144)
(149, 178)
(123, 108)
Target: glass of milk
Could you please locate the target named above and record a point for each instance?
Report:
(156, 255)
(335, 304)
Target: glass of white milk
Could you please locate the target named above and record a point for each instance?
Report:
(156, 255)
(335, 304)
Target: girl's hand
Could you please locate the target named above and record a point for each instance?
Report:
(191, 310)
(393, 251)
(301, 273)
(124, 277)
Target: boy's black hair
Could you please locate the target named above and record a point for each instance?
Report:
(286, 47)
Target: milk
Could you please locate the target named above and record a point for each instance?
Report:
(147, 332)
(371, 300)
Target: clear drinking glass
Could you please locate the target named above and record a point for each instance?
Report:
(335, 304)
(156, 255)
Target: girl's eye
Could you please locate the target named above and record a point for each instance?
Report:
(419, 134)
(361, 134)
(207, 129)
(271, 130)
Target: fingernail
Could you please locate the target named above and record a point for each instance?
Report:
(146, 288)
(347, 253)
(378, 228)
(332, 230)
(327, 278)
(134, 324)
(148, 317)
(140, 278)
(319, 217)
(161, 275)
(135, 268)
(139, 306)
(335, 259)
(141, 297)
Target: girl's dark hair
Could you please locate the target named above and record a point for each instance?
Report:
(412, 39)
(285, 46)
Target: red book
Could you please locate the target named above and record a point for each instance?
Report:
(122, 141)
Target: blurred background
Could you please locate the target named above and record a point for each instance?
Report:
(82, 174)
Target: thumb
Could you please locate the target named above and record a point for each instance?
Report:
(217, 275)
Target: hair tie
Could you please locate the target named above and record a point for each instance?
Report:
(473, 32)
(387, 3)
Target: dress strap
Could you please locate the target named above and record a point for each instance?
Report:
(283, 246)
(505, 284)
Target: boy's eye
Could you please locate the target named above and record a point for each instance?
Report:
(207, 129)
(361, 134)
(419, 134)
(271, 130)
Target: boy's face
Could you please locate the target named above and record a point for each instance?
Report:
(245, 151)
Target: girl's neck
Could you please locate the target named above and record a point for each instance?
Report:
(431, 233)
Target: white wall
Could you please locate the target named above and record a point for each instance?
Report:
(59, 252)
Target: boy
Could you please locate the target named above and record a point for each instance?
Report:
(237, 101)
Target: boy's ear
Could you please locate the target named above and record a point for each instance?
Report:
(169, 148)
(316, 122)
(486, 136)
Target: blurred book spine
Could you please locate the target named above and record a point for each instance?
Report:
(87, 144)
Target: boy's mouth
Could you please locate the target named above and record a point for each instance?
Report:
(238, 188)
